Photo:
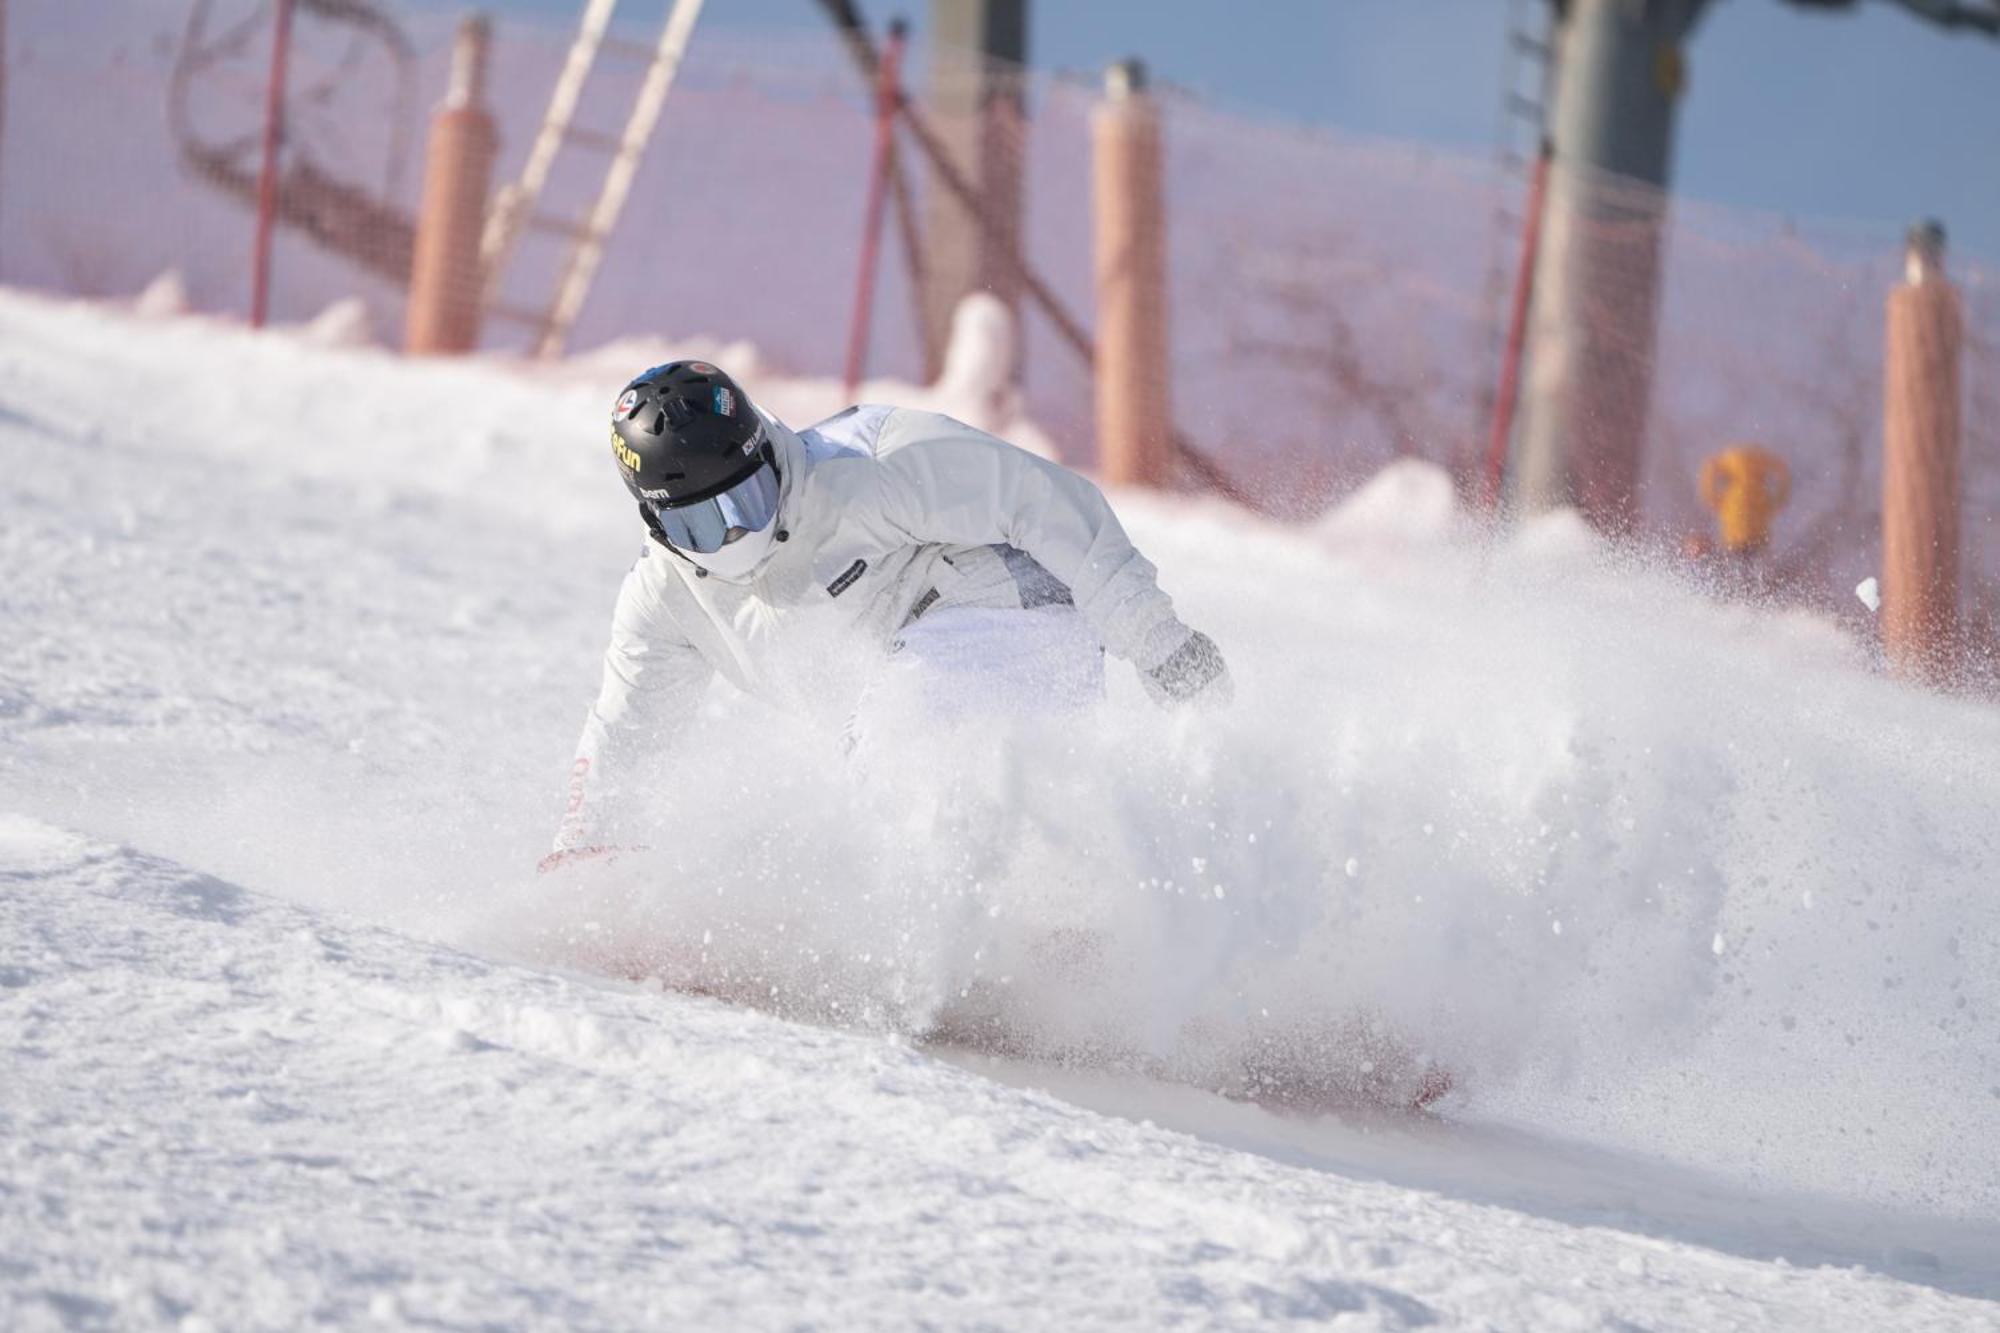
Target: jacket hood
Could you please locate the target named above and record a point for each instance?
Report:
(793, 462)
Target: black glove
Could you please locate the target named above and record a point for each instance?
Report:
(1195, 671)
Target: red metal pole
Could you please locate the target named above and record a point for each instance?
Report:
(1517, 330)
(888, 100)
(267, 178)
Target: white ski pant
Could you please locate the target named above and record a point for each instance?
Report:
(959, 663)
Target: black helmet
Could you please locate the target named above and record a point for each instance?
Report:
(682, 432)
(695, 455)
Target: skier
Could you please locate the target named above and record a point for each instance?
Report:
(805, 567)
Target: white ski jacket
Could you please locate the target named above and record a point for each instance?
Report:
(884, 513)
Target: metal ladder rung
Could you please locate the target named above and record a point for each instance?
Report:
(597, 139)
(514, 211)
(555, 226)
(646, 52)
(514, 314)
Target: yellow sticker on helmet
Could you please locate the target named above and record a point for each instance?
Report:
(626, 454)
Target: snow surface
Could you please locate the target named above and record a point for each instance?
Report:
(295, 639)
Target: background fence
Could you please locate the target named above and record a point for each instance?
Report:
(1328, 293)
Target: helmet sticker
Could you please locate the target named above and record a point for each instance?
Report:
(702, 368)
(725, 402)
(627, 456)
(628, 403)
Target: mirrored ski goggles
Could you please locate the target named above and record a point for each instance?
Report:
(709, 525)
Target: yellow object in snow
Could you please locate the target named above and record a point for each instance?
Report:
(1746, 486)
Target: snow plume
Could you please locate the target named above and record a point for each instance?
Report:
(1671, 873)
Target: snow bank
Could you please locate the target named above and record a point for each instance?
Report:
(344, 323)
(1409, 501)
(165, 297)
(1676, 875)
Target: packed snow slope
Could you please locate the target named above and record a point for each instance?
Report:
(230, 1112)
(1698, 909)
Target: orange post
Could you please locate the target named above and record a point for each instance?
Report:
(888, 98)
(1920, 464)
(445, 277)
(1134, 416)
(1517, 331)
(267, 174)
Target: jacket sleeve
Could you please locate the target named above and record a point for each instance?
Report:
(653, 678)
(942, 481)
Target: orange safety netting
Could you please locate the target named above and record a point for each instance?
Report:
(1328, 294)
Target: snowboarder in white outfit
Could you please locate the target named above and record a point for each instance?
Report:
(803, 566)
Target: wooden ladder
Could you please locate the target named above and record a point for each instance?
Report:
(517, 208)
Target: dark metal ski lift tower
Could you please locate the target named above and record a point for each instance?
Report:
(1618, 71)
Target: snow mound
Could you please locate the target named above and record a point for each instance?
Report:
(165, 297)
(344, 323)
(1408, 501)
(28, 846)
(1559, 534)
(978, 382)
